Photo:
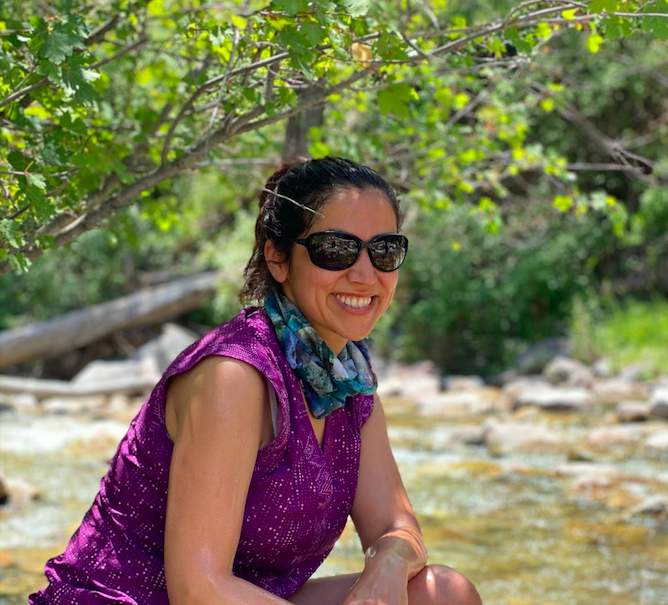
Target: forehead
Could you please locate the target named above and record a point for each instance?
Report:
(362, 212)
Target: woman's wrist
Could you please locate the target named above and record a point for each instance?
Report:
(397, 553)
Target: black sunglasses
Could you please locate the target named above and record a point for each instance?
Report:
(336, 251)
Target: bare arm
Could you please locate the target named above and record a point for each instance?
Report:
(384, 520)
(218, 410)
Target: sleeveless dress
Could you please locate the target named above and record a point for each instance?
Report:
(298, 502)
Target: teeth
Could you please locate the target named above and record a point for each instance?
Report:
(355, 303)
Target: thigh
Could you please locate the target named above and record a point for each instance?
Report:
(324, 591)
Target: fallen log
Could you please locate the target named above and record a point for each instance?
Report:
(41, 389)
(77, 328)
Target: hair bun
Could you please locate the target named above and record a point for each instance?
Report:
(272, 181)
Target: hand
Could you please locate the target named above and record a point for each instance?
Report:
(385, 584)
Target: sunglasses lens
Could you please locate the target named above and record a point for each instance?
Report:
(333, 252)
(388, 252)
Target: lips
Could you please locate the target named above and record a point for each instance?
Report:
(356, 302)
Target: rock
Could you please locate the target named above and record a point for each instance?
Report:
(414, 382)
(463, 383)
(654, 506)
(633, 411)
(659, 403)
(558, 400)
(105, 372)
(164, 349)
(4, 490)
(521, 437)
(20, 401)
(602, 368)
(465, 434)
(74, 405)
(16, 492)
(563, 370)
(616, 390)
(458, 404)
(579, 469)
(614, 436)
(656, 444)
(521, 384)
(537, 356)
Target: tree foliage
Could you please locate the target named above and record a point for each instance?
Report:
(104, 104)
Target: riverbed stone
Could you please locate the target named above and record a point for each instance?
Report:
(537, 356)
(659, 403)
(653, 506)
(74, 405)
(656, 445)
(612, 391)
(463, 383)
(462, 403)
(106, 372)
(520, 384)
(521, 437)
(161, 351)
(465, 434)
(413, 382)
(578, 469)
(554, 399)
(571, 372)
(633, 411)
(610, 437)
(4, 490)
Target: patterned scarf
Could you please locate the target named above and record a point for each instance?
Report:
(327, 380)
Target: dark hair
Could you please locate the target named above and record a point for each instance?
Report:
(310, 184)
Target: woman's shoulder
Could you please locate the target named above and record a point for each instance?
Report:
(247, 337)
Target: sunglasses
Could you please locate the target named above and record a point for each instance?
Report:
(336, 251)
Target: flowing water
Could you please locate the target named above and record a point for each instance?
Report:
(522, 532)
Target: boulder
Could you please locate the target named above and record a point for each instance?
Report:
(633, 411)
(413, 382)
(656, 445)
(654, 506)
(602, 368)
(107, 372)
(461, 403)
(520, 384)
(74, 405)
(465, 434)
(163, 350)
(608, 437)
(563, 370)
(537, 356)
(659, 403)
(616, 390)
(463, 383)
(558, 400)
(521, 437)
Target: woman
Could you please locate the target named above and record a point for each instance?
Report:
(238, 474)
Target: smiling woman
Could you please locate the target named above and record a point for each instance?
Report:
(239, 473)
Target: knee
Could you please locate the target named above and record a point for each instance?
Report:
(441, 585)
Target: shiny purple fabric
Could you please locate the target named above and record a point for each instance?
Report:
(298, 502)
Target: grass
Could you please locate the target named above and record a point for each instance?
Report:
(631, 333)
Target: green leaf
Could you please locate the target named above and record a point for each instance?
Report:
(291, 7)
(656, 25)
(594, 43)
(563, 202)
(62, 40)
(356, 8)
(18, 161)
(76, 81)
(36, 180)
(598, 6)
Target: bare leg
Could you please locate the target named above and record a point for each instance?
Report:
(434, 585)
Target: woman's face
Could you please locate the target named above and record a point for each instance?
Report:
(325, 297)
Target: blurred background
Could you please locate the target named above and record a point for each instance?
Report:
(524, 361)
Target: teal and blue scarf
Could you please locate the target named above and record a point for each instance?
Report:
(326, 379)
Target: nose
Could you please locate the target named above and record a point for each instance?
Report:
(363, 272)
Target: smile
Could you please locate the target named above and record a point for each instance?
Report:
(354, 302)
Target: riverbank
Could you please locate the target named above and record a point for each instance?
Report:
(543, 489)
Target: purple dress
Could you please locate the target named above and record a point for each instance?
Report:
(298, 502)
